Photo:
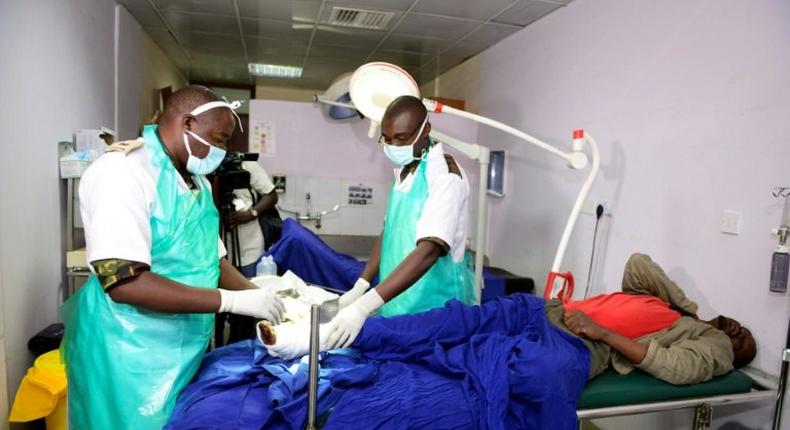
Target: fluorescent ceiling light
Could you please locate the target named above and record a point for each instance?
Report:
(275, 71)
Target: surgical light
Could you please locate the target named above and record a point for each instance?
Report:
(275, 71)
(374, 86)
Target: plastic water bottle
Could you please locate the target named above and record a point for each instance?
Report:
(272, 266)
(266, 266)
(260, 268)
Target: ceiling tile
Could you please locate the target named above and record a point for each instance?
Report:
(490, 34)
(317, 85)
(435, 26)
(202, 23)
(138, 4)
(411, 43)
(222, 73)
(208, 40)
(283, 60)
(328, 35)
(223, 59)
(403, 59)
(476, 10)
(234, 52)
(275, 46)
(219, 7)
(303, 11)
(526, 12)
(162, 37)
(332, 51)
(274, 29)
(329, 68)
(334, 67)
(146, 16)
(464, 49)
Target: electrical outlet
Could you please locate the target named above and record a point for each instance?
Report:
(731, 222)
(591, 205)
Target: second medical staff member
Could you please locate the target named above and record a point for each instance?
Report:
(420, 255)
(251, 238)
(137, 331)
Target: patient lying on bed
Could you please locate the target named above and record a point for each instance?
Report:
(651, 325)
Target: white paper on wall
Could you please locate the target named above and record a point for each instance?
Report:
(360, 194)
(262, 140)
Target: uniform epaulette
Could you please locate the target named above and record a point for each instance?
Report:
(451, 164)
(126, 146)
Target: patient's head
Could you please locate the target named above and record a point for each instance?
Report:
(744, 347)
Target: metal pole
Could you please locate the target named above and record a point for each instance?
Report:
(312, 394)
(782, 389)
(482, 226)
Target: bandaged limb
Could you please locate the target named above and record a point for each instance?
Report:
(289, 340)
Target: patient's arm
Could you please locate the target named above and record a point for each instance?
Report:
(644, 276)
(582, 325)
(410, 269)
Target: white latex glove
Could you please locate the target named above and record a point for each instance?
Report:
(345, 327)
(354, 293)
(258, 303)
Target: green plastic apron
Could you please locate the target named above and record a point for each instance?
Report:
(126, 365)
(445, 280)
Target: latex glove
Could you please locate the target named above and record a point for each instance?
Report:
(258, 303)
(354, 293)
(345, 326)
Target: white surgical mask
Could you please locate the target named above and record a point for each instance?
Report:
(204, 166)
(403, 155)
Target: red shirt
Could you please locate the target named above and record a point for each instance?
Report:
(632, 316)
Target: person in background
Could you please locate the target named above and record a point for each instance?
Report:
(252, 242)
(137, 331)
(420, 254)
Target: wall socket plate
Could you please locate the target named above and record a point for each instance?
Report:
(590, 205)
(730, 222)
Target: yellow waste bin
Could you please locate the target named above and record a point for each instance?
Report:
(42, 393)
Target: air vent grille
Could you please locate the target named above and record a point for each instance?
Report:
(360, 18)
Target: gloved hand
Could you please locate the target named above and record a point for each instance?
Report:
(354, 293)
(258, 303)
(345, 326)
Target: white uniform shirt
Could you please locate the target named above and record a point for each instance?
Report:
(250, 236)
(117, 194)
(445, 213)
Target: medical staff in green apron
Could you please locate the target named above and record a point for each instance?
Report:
(138, 329)
(420, 256)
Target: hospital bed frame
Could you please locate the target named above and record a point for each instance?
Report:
(703, 405)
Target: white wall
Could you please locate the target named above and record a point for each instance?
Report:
(689, 102)
(263, 92)
(62, 77)
(58, 76)
(142, 70)
(4, 402)
(323, 156)
(462, 82)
